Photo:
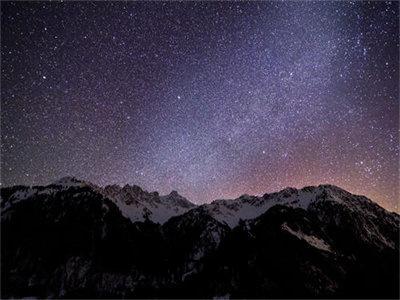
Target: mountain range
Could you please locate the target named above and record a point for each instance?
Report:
(74, 239)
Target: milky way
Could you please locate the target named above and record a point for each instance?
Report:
(213, 99)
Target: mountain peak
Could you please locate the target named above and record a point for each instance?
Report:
(134, 188)
(331, 187)
(175, 198)
(174, 193)
(69, 181)
(139, 205)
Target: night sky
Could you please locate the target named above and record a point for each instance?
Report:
(213, 99)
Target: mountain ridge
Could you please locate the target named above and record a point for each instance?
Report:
(71, 240)
(138, 204)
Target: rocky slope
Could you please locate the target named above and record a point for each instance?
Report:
(72, 239)
(139, 205)
(133, 202)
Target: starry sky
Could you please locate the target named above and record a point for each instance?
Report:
(213, 99)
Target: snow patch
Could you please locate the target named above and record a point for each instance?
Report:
(22, 195)
(187, 274)
(312, 240)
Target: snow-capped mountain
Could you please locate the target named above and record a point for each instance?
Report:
(73, 239)
(327, 201)
(139, 205)
(250, 207)
(16, 194)
(134, 202)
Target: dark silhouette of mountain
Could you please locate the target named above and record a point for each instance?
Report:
(72, 239)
